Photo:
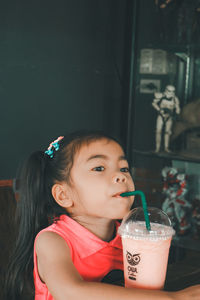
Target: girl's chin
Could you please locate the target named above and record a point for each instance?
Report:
(122, 215)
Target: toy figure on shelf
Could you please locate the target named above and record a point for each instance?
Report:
(175, 203)
(167, 106)
(196, 217)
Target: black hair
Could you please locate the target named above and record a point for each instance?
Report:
(36, 207)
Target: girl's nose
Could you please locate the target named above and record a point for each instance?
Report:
(119, 178)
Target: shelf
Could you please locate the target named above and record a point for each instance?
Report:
(182, 156)
(174, 47)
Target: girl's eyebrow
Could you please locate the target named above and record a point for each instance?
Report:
(102, 156)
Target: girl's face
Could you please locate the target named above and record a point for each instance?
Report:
(99, 175)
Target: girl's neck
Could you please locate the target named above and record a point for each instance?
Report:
(102, 228)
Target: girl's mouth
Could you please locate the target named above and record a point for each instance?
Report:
(119, 194)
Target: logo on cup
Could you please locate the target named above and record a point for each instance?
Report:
(133, 260)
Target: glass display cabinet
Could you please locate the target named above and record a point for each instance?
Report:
(166, 52)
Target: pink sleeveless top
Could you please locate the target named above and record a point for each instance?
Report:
(92, 257)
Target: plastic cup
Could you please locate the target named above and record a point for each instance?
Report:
(145, 253)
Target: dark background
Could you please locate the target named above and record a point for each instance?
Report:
(61, 69)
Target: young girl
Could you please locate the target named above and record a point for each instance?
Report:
(69, 202)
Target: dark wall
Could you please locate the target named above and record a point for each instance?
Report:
(60, 70)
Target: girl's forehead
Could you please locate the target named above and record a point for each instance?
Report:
(100, 146)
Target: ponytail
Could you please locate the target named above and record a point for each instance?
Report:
(35, 208)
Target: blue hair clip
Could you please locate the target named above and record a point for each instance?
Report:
(54, 146)
(49, 152)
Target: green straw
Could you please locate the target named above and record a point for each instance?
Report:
(144, 205)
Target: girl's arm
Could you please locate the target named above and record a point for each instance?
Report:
(57, 270)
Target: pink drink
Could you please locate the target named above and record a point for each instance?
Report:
(145, 261)
(146, 251)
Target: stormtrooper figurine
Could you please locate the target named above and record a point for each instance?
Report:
(167, 105)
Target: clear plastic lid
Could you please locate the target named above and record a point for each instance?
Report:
(133, 224)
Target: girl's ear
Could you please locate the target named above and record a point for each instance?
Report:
(61, 195)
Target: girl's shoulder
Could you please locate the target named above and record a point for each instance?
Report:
(57, 228)
(47, 239)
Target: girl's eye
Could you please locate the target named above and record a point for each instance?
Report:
(99, 169)
(126, 170)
